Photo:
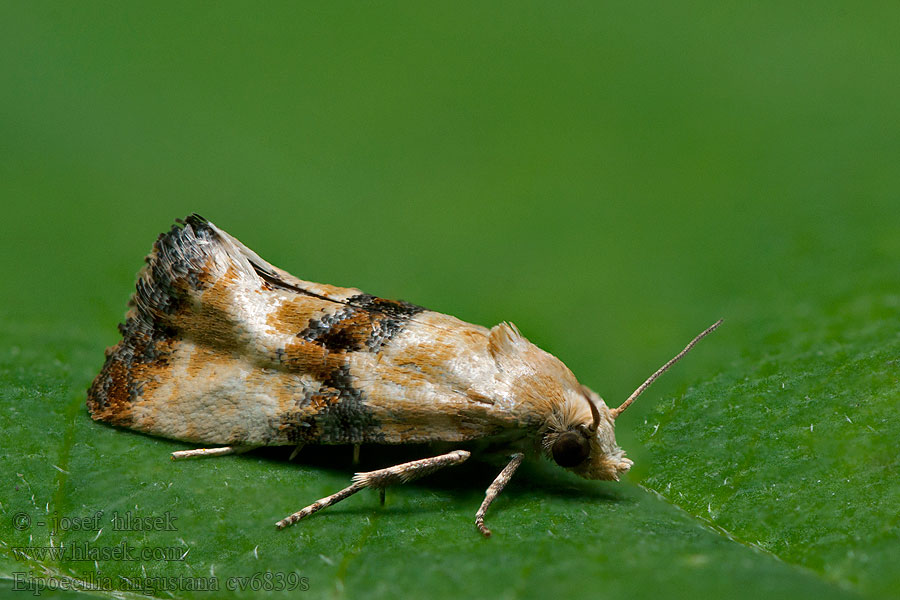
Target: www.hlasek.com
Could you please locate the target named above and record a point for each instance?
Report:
(265, 581)
(85, 551)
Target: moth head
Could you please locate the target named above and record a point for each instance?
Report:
(580, 433)
(580, 436)
(576, 427)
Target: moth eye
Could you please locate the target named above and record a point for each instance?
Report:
(570, 449)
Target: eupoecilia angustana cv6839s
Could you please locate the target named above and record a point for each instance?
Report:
(220, 347)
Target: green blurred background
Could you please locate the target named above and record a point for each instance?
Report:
(612, 177)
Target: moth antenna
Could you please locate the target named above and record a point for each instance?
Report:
(594, 413)
(618, 411)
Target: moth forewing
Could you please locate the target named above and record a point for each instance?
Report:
(222, 348)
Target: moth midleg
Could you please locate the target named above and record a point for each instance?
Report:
(494, 490)
(203, 452)
(296, 451)
(380, 479)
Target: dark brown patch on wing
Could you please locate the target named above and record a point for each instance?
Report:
(132, 369)
(345, 331)
(335, 413)
(389, 317)
(363, 323)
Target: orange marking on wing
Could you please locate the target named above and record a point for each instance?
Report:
(302, 356)
(295, 314)
(210, 322)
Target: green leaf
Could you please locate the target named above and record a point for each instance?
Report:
(793, 449)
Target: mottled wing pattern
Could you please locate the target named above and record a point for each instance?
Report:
(220, 347)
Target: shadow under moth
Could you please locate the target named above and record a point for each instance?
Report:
(222, 349)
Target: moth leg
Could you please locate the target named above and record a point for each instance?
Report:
(202, 452)
(379, 480)
(296, 451)
(355, 454)
(494, 490)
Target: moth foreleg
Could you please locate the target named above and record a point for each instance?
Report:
(494, 490)
(380, 479)
(202, 452)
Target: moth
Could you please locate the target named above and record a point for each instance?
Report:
(222, 349)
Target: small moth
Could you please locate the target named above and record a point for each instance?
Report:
(221, 348)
